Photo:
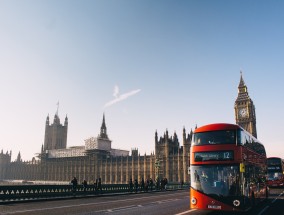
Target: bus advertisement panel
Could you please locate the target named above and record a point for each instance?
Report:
(227, 168)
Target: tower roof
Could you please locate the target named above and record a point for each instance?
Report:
(242, 88)
(242, 83)
(103, 123)
(103, 133)
(56, 119)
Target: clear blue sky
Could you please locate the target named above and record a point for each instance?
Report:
(178, 61)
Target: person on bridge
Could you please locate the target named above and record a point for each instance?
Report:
(147, 184)
(151, 184)
(136, 185)
(157, 183)
(164, 183)
(85, 184)
(130, 185)
(181, 184)
(142, 184)
(74, 183)
(96, 185)
(100, 185)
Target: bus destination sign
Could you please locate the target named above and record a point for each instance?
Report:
(214, 156)
(274, 167)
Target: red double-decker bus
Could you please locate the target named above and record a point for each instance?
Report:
(227, 168)
(275, 171)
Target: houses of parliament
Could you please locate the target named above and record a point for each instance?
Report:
(97, 158)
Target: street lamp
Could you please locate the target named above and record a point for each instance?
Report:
(157, 168)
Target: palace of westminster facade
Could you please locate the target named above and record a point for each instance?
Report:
(96, 159)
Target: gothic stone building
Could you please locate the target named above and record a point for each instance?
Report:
(97, 159)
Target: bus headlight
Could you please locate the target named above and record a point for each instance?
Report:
(193, 201)
(236, 203)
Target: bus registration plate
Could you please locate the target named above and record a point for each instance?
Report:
(214, 207)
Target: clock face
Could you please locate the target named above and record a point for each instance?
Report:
(243, 112)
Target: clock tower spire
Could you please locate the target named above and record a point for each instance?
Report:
(244, 109)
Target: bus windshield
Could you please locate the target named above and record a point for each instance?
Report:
(215, 137)
(221, 180)
(273, 176)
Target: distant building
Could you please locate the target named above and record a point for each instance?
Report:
(5, 160)
(97, 159)
(55, 134)
(102, 142)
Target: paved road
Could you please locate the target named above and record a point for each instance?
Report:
(162, 203)
(170, 202)
(275, 204)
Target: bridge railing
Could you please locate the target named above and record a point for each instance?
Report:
(31, 192)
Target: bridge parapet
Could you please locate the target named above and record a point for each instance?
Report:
(45, 192)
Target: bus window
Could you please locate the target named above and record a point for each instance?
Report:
(214, 137)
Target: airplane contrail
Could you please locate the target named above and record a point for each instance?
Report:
(121, 97)
(115, 91)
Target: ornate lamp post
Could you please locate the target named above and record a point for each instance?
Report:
(157, 168)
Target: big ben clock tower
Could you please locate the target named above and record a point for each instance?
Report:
(245, 110)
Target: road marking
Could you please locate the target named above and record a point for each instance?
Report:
(121, 208)
(79, 205)
(135, 206)
(264, 209)
(277, 198)
(185, 212)
(165, 201)
(274, 200)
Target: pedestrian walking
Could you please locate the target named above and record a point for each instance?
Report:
(74, 183)
(100, 185)
(85, 184)
(142, 184)
(96, 185)
(130, 185)
(136, 185)
(151, 184)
